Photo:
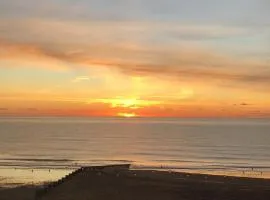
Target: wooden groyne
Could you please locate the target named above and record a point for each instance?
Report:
(40, 192)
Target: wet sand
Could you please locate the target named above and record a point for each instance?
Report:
(19, 193)
(123, 184)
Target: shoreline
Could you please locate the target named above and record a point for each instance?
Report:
(118, 182)
(40, 175)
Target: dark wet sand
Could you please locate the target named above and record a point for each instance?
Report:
(145, 185)
(20, 193)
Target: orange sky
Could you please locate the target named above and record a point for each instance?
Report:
(56, 62)
(34, 83)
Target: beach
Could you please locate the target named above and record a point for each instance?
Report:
(134, 100)
(114, 182)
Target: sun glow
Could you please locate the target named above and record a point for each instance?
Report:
(131, 103)
(127, 115)
(125, 103)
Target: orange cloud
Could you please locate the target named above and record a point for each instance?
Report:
(80, 78)
(181, 109)
(125, 46)
(132, 103)
(185, 63)
(138, 78)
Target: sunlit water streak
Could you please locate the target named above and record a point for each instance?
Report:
(43, 149)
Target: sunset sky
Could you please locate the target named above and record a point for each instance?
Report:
(195, 58)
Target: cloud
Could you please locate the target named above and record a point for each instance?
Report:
(134, 48)
(85, 32)
(122, 10)
(32, 109)
(184, 63)
(3, 109)
(80, 78)
(122, 102)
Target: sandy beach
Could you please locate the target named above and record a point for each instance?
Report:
(102, 183)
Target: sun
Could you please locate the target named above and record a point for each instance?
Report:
(123, 106)
(125, 103)
(131, 103)
(128, 115)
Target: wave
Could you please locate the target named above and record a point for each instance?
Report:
(208, 167)
(38, 159)
(37, 163)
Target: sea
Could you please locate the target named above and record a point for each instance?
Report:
(35, 150)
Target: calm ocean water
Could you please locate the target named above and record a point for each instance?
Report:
(204, 145)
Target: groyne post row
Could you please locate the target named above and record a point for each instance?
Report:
(40, 192)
